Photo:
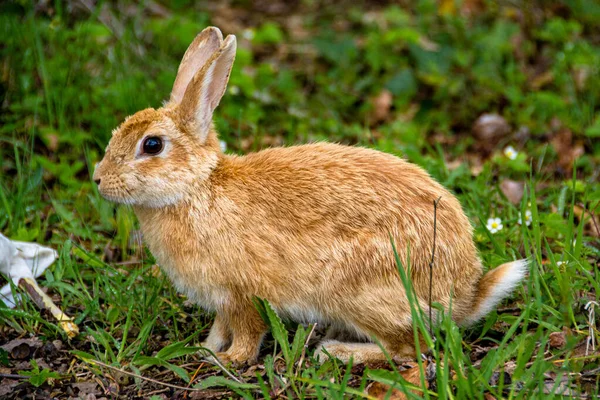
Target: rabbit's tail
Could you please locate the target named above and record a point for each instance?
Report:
(494, 286)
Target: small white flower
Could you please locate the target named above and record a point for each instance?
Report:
(494, 225)
(510, 152)
(559, 263)
(234, 90)
(527, 218)
(223, 145)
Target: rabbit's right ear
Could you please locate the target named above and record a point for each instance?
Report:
(198, 53)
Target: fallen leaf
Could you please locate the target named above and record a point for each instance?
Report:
(566, 150)
(7, 386)
(21, 349)
(541, 80)
(489, 129)
(412, 375)
(591, 221)
(21, 352)
(498, 377)
(382, 105)
(557, 340)
(86, 388)
(581, 75)
(513, 190)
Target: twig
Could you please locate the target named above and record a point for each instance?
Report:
(435, 204)
(304, 348)
(593, 213)
(592, 325)
(13, 376)
(214, 360)
(44, 302)
(100, 363)
(196, 373)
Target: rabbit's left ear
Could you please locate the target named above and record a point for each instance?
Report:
(204, 46)
(206, 89)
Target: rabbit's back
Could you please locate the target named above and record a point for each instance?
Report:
(339, 190)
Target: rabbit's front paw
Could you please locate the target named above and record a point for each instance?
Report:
(233, 358)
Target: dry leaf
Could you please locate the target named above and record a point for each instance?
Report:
(542, 80)
(592, 222)
(565, 148)
(513, 190)
(490, 127)
(412, 375)
(558, 340)
(382, 105)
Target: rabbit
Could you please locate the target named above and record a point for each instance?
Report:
(309, 227)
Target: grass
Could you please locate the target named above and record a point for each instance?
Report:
(308, 72)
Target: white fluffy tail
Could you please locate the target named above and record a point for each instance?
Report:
(496, 285)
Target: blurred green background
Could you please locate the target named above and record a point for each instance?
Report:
(498, 100)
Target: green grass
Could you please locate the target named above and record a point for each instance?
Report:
(70, 76)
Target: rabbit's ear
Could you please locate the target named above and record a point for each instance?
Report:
(207, 87)
(202, 48)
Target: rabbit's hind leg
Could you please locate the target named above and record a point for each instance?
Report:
(404, 349)
(359, 352)
(380, 317)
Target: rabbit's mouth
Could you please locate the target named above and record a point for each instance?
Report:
(116, 196)
(113, 189)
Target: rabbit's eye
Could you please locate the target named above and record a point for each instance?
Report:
(152, 145)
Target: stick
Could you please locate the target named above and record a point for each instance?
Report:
(214, 360)
(435, 204)
(100, 363)
(44, 302)
(312, 329)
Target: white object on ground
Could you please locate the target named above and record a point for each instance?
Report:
(23, 262)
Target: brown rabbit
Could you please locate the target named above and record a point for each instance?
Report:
(308, 227)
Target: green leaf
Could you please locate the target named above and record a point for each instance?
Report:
(269, 33)
(298, 342)
(87, 258)
(83, 355)
(145, 360)
(403, 84)
(4, 358)
(36, 377)
(277, 327)
(177, 349)
(593, 131)
(215, 380)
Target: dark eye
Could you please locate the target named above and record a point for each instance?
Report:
(152, 145)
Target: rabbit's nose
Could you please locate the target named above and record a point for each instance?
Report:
(97, 181)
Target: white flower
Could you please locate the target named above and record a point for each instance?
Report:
(494, 225)
(559, 263)
(223, 145)
(234, 90)
(527, 218)
(510, 152)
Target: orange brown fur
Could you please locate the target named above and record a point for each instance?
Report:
(306, 227)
